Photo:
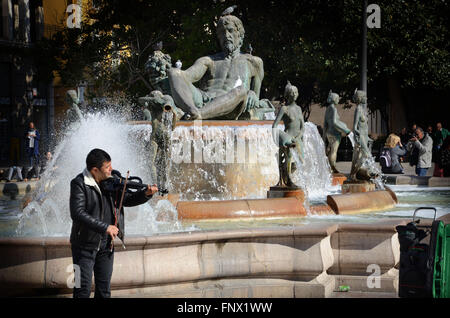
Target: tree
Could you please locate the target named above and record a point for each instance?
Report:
(315, 44)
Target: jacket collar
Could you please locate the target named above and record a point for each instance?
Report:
(90, 181)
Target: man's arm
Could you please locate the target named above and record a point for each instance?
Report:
(139, 197)
(78, 209)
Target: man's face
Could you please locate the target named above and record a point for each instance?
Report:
(438, 126)
(229, 37)
(104, 172)
(419, 133)
(31, 125)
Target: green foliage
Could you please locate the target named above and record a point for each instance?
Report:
(315, 44)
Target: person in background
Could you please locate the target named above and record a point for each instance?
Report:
(438, 139)
(412, 131)
(396, 150)
(47, 159)
(14, 171)
(440, 135)
(3, 138)
(32, 146)
(445, 157)
(404, 136)
(424, 146)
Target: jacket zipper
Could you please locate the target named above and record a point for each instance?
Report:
(101, 218)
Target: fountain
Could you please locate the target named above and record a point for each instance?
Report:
(220, 231)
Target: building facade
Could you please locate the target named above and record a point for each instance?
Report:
(26, 92)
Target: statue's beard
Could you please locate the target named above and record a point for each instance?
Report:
(230, 47)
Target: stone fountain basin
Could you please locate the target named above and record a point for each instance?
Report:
(304, 261)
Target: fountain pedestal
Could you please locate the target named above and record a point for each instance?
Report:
(338, 178)
(285, 192)
(357, 186)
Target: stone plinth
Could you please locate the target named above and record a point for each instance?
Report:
(338, 179)
(286, 192)
(363, 202)
(195, 210)
(357, 187)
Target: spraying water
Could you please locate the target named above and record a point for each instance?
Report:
(252, 147)
(48, 213)
(314, 174)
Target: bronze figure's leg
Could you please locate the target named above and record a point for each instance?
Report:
(225, 104)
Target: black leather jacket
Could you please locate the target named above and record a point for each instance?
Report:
(86, 211)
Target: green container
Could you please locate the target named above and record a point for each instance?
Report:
(441, 274)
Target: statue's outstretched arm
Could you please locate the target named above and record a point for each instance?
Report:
(275, 130)
(278, 118)
(198, 69)
(339, 125)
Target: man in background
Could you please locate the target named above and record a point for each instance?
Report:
(423, 143)
(32, 145)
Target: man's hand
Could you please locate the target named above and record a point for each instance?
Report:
(413, 139)
(112, 231)
(151, 190)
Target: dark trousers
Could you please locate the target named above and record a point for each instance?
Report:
(92, 261)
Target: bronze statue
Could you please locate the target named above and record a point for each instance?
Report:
(73, 100)
(229, 82)
(361, 134)
(333, 130)
(164, 117)
(291, 139)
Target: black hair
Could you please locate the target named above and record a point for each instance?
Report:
(96, 157)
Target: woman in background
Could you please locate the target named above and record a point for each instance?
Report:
(396, 150)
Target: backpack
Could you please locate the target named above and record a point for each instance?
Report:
(385, 158)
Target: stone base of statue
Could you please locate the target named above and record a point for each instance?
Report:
(357, 186)
(284, 192)
(338, 179)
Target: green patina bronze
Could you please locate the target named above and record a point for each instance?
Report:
(228, 83)
(333, 130)
(164, 115)
(291, 139)
(361, 151)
